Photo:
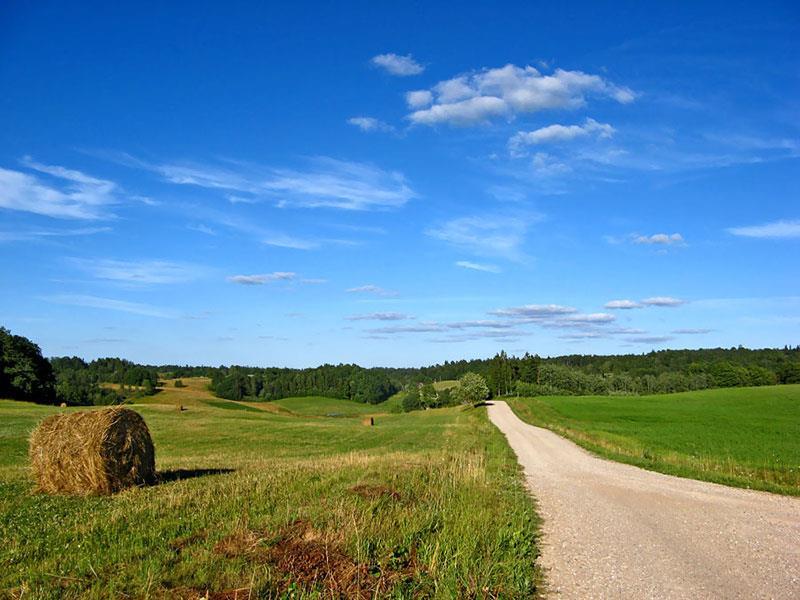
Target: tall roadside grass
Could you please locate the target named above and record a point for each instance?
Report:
(422, 505)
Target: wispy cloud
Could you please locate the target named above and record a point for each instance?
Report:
(371, 289)
(66, 194)
(534, 311)
(622, 304)
(370, 124)
(136, 308)
(396, 64)
(692, 331)
(43, 234)
(501, 236)
(380, 316)
(261, 279)
(664, 239)
(487, 94)
(325, 182)
(473, 266)
(654, 339)
(200, 228)
(774, 230)
(667, 301)
(139, 272)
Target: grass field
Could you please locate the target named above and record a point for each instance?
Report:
(259, 504)
(747, 437)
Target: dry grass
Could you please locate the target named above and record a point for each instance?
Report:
(92, 453)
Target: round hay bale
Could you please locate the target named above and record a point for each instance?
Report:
(368, 421)
(92, 453)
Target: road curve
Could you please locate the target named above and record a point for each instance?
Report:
(612, 530)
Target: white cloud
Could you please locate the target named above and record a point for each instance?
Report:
(73, 194)
(506, 91)
(659, 238)
(534, 311)
(491, 235)
(559, 133)
(380, 316)
(465, 112)
(111, 304)
(402, 66)
(588, 318)
(419, 98)
(663, 301)
(139, 272)
(369, 124)
(622, 304)
(775, 230)
(655, 339)
(371, 289)
(465, 264)
(41, 234)
(262, 278)
(692, 331)
(200, 228)
(328, 183)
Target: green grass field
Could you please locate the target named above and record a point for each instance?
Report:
(747, 437)
(262, 504)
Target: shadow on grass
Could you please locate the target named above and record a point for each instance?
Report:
(179, 474)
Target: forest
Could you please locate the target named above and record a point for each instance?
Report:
(26, 375)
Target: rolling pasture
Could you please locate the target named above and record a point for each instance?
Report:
(746, 437)
(261, 502)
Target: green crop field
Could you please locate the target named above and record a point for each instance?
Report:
(262, 504)
(747, 437)
(321, 407)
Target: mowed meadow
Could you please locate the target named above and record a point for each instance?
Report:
(278, 500)
(745, 437)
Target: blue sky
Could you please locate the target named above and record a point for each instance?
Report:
(351, 182)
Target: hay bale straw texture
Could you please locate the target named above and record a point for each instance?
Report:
(92, 453)
(368, 421)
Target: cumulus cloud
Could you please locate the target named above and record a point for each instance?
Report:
(395, 64)
(262, 278)
(370, 124)
(663, 301)
(774, 230)
(559, 133)
(473, 266)
(660, 239)
(380, 316)
(501, 236)
(506, 91)
(371, 289)
(419, 98)
(64, 194)
(622, 304)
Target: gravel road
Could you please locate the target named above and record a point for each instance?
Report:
(616, 531)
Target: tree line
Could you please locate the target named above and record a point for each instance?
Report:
(351, 382)
(26, 375)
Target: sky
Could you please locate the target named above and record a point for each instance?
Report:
(397, 185)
